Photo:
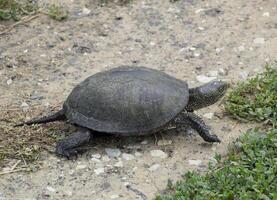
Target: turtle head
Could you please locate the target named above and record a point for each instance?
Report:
(206, 95)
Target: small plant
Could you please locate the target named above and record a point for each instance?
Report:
(11, 9)
(256, 99)
(57, 12)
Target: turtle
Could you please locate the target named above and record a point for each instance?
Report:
(132, 101)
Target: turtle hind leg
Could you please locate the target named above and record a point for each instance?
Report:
(71, 146)
(195, 122)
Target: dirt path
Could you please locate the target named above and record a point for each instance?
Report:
(42, 61)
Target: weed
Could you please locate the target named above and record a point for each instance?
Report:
(11, 9)
(255, 99)
(57, 12)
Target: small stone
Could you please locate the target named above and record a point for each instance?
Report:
(9, 81)
(127, 156)
(118, 164)
(199, 10)
(204, 79)
(164, 142)
(35, 95)
(222, 72)
(68, 192)
(195, 162)
(259, 41)
(25, 107)
(138, 154)
(50, 189)
(80, 166)
(218, 50)
(208, 115)
(241, 48)
(99, 171)
(144, 142)
(196, 54)
(47, 104)
(154, 167)
(201, 28)
(24, 104)
(112, 153)
(243, 74)
(97, 155)
(95, 160)
(192, 48)
(105, 158)
(266, 14)
(114, 196)
(86, 11)
(213, 73)
(158, 153)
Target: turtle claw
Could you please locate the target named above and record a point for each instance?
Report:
(212, 138)
(70, 154)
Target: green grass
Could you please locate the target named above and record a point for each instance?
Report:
(250, 168)
(15, 10)
(255, 100)
(11, 9)
(57, 12)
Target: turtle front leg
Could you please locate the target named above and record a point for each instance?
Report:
(195, 122)
(71, 145)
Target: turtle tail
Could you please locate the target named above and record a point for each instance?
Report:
(60, 115)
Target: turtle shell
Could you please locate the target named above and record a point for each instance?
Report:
(126, 101)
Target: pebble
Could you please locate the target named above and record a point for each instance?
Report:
(195, 162)
(222, 72)
(243, 74)
(95, 160)
(105, 158)
(196, 54)
(164, 142)
(112, 153)
(199, 10)
(259, 41)
(118, 164)
(208, 115)
(204, 79)
(127, 156)
(241, 48)
(218, 50)
(138, 154)
(68, 192)
(158, 153)
(9, 81)
(97, 155)
(114, 196)
(24, 106)
(81, 166)
(154, 167)
(266, 14)
(213, 73)
(86, 11)
(144, 142)
(99, 171)
(50, 189)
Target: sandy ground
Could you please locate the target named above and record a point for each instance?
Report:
(41, 62)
